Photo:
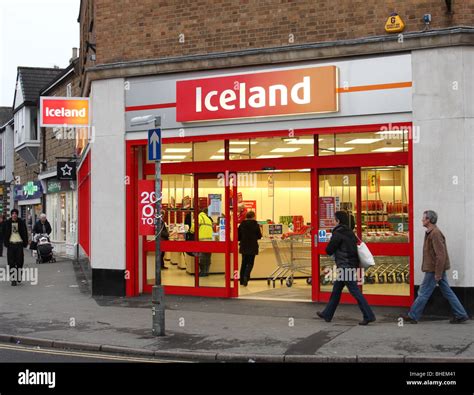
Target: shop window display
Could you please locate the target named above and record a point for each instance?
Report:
(179, 215)
(385, 204)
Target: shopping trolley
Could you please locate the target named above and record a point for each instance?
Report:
(293, 254)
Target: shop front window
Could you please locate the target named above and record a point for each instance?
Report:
(385, 204)
(336, 192)
(176, 153)
(213, 150)
(363, 143)
(269, 148)
(63, 219)
(389, 276)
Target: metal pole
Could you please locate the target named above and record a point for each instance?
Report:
(158, 303)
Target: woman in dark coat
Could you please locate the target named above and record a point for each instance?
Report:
(249, 233)
(343, 245)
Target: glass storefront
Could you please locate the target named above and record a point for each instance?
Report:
(294, 207)
(61, 211)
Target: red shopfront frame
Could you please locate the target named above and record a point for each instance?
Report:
(317, 164)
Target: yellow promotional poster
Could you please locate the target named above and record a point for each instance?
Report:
(374, 182)
(394, 24)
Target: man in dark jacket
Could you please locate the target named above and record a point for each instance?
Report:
(249, 233)
(343, 245)
(15, 239)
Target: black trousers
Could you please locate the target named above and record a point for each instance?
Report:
(1, 246)
(15, 259)
(246, 268)
(162, 258)
(204, 263)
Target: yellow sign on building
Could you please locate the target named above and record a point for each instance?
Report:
(394, 24)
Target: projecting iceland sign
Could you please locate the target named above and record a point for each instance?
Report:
(64, 111)
(273, 93)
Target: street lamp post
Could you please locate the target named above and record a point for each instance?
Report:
(154, 152)
(158, 295)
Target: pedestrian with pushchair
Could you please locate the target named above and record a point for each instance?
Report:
(42, 226)
(15, 239)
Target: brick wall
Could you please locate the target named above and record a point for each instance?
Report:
(87, 35)
(144, 29)
(23, 171)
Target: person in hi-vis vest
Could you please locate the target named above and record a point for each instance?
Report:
(205, 234)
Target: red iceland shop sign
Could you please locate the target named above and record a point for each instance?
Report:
(274, 93)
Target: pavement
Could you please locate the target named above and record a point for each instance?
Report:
(59, 312)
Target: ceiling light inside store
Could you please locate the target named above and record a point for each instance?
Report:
(299, 141)
(217, 157)
(242, 142)
(177, 150)
(171, 161)
(363, 141)
(388, 149)
(304, 170)
(269, 156)
(341, 149)
(285, 150)
(233, 150)
(172, 157)
(392, 132)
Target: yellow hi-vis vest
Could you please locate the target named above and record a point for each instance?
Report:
(205, 227)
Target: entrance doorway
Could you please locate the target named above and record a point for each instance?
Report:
(281, 200)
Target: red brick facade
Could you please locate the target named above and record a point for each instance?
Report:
(126, 30)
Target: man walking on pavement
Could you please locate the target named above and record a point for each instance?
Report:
(435, 263)
(15, 239)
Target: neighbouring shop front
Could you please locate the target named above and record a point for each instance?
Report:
(292, 143)
(28, 200)
(61, 210)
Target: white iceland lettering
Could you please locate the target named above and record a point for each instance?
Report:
(65, 112)
(258, 96)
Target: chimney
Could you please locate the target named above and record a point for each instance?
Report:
(75, 54)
